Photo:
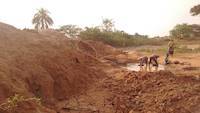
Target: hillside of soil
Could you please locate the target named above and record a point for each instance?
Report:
(44, 65)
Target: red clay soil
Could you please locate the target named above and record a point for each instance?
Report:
(43, 65)
(103, 50)
(156, 92)
(138, 92)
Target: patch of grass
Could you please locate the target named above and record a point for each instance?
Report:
(148, 50)
(185, 49)
(153, 50)
(13, 101)
(178, 49)
(197, 50)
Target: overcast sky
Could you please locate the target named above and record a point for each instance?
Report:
(150, 17)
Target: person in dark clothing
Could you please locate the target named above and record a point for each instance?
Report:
(143, 61)
(171, 48)
(153, 60)
(167, 59)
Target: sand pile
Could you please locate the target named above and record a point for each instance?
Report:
(43, 65)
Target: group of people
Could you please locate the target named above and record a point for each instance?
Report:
(153, 59)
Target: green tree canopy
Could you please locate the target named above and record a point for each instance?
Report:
(108, 24)
(181, 31)
(71, 30)
(195, 10)
(42, 20)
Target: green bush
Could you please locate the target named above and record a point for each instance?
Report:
(118, 38)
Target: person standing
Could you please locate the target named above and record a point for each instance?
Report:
(171, 47)
(170, 51)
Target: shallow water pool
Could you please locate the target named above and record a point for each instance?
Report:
(136, 67)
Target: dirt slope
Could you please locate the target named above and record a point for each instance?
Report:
(43, 65)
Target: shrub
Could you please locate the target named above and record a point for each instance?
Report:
(118, 38)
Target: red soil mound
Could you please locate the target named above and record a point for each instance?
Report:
(159, 92)
(87, 48)
(43, 65)
(103, 49)
(97, 49)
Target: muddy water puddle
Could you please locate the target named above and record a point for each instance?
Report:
(136, 67)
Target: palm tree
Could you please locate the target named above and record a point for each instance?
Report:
(42, 20)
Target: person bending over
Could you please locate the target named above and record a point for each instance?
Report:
(143, 61)
(153, 60)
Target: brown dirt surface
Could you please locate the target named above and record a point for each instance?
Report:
(74, 76)
(159, 92)
(138, 92)
(44, 65)
(103, 49)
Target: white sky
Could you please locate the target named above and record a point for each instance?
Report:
(150, 17)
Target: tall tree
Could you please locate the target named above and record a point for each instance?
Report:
(181, 31)
(108, 24)
(71, 30)
(195, 10)
(42, 20)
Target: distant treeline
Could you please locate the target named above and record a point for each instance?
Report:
(108, 34)
(119, 38)
(186, 31)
